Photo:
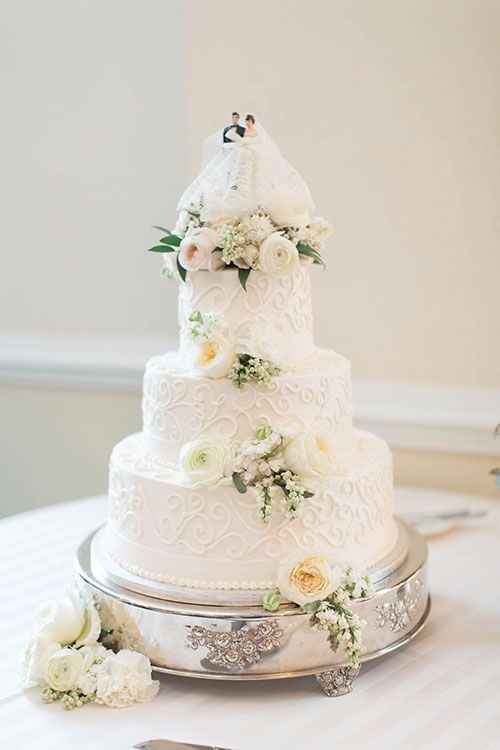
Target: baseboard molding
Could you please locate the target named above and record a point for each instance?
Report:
(432, 418)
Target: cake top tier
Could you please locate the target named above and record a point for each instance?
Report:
(248, 209)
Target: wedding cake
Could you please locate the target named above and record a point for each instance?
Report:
(248, 459)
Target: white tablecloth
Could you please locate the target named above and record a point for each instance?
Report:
(441, 692)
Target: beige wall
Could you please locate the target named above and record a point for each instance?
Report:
(389, 108)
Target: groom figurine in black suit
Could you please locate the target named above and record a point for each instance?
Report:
(239, 129)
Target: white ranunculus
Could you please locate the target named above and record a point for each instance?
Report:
(63, 620)
(204, 461)
(64, 669)
(278, 255)
(125, 678)
(196, 248)
(308, 579)
(310, 455)
(36, 656)
(213, 358)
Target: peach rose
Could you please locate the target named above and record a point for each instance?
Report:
(196, 248)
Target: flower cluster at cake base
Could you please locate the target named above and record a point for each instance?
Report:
(67, 660)
(212, 353)
(258, 241)
(324, 591)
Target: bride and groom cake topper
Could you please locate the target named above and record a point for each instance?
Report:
(233, 132)
(244, 171)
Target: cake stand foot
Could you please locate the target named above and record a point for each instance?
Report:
(337, 681)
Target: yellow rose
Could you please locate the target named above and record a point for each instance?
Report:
(308, 580)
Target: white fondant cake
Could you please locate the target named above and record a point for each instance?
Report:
(248, 454)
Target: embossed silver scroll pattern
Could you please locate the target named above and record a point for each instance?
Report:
(399, 613)
(238, 648)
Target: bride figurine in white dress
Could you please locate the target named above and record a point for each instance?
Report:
(248, 173)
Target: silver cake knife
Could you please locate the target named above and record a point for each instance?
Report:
(172, 745)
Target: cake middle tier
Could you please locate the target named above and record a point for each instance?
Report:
(179, 407)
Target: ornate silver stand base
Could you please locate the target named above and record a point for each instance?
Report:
(248, 643)
(337, 681)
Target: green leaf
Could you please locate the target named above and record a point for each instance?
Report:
(162, 229)
(311, 608)
(171, 239)
(181, 269)
(243, 275)
(239, 483)
(161, 249)
(304, 249)
(272, 600)
(196, 317)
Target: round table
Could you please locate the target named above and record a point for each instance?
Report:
(442, 692)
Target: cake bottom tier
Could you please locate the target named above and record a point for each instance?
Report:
(213, 539)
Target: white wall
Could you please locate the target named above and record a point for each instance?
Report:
(390, 109)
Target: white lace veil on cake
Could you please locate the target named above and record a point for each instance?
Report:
(248, 174)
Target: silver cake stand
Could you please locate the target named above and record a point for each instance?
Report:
(249, 643)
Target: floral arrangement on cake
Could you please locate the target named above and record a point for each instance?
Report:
(276, 467)
(256, 241)
(324, 591)
(213, 354)
(67, 659)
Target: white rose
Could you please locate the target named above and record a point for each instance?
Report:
(63, 620)
(72, 619)
(36, 656)
(310, 455)
(196, 248)
(286, 212)
(125, 678)
(204, 461)
(308, 580)
(213, 358)
(64, 669)
(91, 627)
(278, 255)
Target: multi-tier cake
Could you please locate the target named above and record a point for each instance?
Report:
(248, 457)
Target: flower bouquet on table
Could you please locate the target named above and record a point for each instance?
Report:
(66, 657)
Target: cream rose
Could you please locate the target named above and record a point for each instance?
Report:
(204, 461)
(310, 455)
(196, 248)
(308, 580)
(64, 669)
(278, 255)
(214, 357)
(125, 678)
